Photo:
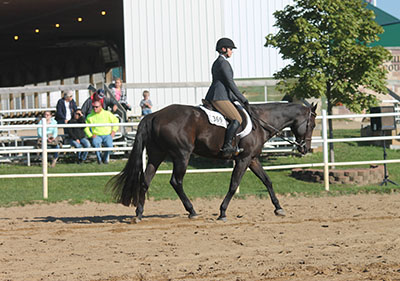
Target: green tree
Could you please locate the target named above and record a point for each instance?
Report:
(327, 44)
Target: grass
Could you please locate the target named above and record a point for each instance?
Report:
(80, 189)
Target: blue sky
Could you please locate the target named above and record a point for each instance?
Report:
(389, 6)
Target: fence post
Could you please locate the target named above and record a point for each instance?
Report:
(44, 158)
(325, 149)
(265, 93)
(144, 160)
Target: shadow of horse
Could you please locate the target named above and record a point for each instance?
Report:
(95, 219)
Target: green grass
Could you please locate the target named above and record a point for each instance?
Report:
(81, 189)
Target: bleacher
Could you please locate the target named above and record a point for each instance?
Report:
(21, 117)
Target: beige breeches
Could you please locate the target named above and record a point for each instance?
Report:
(226, 108)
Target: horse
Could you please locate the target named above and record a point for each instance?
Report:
(178, 131)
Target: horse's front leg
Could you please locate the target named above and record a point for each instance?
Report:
(237, 174)
(256, 168)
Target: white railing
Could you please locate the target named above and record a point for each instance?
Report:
(325, 140)
(83, 87)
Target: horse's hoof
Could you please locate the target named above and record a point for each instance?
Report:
(222, 219)
(280, 213)
(136, 220)
(193, 216)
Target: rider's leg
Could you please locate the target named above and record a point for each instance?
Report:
(227, 109)
(228, 149)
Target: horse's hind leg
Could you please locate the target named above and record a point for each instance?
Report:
(257, 169)
(180, 166)
(154, 161)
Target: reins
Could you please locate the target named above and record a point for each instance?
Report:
(279, 133)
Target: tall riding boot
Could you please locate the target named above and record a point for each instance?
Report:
(228, 149)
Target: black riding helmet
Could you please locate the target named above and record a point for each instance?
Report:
(225, 43)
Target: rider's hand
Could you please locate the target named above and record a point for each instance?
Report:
(250, 112)
(247, 106)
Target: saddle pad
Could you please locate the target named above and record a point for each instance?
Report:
(218, 119)
(215, 117)
(249, 125)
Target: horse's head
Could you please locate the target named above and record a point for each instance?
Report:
(303, 128)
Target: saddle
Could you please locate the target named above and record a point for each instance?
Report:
(246, 125)
(208, 105)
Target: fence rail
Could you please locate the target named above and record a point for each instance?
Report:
(324, 140)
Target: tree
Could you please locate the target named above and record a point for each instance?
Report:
(327, 43)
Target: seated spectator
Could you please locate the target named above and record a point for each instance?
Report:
(105, 103)
(146, 103)
(77, 135)
(120, 94)
(52, 133)
(65, 109)
(101, 135)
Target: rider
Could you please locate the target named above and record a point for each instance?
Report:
(223, 92)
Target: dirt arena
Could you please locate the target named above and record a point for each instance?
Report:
(330, 238)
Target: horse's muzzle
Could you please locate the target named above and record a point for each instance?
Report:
(302, 149)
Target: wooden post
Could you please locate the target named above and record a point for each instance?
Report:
(23, 101)
(35, 99)
(11, 98)
(109, 76)
(91, 80)
(123, 73)
(76, 81)
(62, 83)
(48, 96)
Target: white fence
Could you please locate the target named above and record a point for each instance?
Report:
(161, 93)
(325, 162)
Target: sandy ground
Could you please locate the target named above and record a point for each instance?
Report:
(330, 238)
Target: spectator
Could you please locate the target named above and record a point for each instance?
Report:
(52, 133)
(101, 135)
(65, 109)
(120, 94)
(105, 103)
(77, 135)
(146, 103)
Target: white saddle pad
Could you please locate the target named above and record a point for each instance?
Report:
(217, 119)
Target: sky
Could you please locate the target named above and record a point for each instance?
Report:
(389, 6)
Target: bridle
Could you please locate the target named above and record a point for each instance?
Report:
(279, 133)
(303, 142)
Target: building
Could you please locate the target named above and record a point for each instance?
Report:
(174, 41)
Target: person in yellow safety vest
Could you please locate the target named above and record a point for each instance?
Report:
(101, 135)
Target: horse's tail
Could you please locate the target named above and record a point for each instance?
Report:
(125, 186)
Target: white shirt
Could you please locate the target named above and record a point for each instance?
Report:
(68, 111)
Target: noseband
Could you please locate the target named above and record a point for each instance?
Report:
(303, 142)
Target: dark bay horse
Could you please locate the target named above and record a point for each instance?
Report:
(180, 130)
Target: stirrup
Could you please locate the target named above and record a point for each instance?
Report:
(231, 151)
(238, 151)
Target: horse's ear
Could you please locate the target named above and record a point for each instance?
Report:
(314, 107)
